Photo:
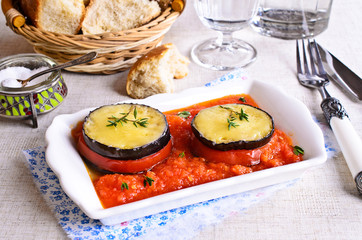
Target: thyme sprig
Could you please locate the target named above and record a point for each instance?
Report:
(242, 99)
(232, 116)
(148, 181)
(184, 114)
(124, 186)
(298, 150)
(231, 122)
(114, 121)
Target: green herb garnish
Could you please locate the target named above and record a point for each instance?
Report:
(243, 115)
(147, 180)
(298, 150)
(184, 114)
(124, 186)
(242, 99)
(114, 121)
(181, 155)
(231, 122)
(232, 118)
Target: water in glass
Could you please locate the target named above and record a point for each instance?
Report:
(292, 19)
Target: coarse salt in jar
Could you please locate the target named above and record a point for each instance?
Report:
(39, 96)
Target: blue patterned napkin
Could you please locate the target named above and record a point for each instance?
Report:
(181, 223)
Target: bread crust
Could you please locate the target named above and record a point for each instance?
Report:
(116, 17)
(30, 8)
(157, 52)
(35, 10)
(154, 72)
(164, 4)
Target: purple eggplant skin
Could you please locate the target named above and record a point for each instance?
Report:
(236, 145)
(129, 154)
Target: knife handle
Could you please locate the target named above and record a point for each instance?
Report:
(347, 137)
(349, 142)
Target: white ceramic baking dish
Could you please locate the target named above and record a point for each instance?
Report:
(290, 115)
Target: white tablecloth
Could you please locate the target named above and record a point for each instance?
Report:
(324, 204)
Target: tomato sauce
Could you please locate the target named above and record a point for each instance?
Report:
(182, 168)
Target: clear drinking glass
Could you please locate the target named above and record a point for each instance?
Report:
(226, 17)
(292, 19)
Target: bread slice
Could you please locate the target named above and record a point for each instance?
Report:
(117, 15)
(59, 16)
(154, 72)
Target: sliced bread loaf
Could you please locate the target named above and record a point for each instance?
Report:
(117, 15)
(59, 16)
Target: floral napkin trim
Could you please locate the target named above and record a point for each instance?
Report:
(180, 223)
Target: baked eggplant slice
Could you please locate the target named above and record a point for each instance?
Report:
(233, 127)
(126, 131)
(109, 165)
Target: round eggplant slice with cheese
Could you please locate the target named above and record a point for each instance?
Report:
(126, 131)
(233, 127)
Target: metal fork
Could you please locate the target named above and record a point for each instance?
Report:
(312, 74)
(310, 78)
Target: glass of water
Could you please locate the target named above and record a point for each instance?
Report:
(224, 16)
(292, 19)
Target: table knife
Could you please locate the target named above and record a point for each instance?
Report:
(340, 73)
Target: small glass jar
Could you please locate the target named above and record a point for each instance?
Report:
(30, 101)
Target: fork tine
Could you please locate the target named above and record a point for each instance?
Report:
(318, 58)
(299, 66)
(312, 63)
(306, 68)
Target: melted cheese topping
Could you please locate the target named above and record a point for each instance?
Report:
(126, 136)
(213, 125)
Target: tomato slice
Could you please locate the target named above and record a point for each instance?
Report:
(123, 166)
(235, 157)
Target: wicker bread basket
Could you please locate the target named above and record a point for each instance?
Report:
(117, 51)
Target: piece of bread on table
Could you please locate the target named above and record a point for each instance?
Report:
(155, 71)
(58, 16)
(117, 15)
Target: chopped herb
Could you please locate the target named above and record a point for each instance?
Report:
(231, 123)
(141, 122)
(135, 113)
(112, 123)
(181, 155)
(227, 108)
(147, 180)
(184, 114)
(113, 120)
(242, 99)
(232, 118)
(243, 115)
(124, 186)
(298, 150)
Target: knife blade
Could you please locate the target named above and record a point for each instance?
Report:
(341, 74)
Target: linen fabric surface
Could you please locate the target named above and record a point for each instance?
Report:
(323, 204)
